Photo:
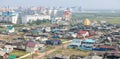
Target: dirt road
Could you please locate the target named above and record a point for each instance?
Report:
(40, 55)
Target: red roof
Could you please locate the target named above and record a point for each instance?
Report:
(91, 32)
(31, 44)
(103, 46)
(54, 25)
(67, 12)
(116, 53)
(82, 32)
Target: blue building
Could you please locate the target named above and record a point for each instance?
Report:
(87, 44)
(9, 17)
(82, 44)
(75, 43)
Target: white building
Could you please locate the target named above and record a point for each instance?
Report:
(10, 29)
(30, 18)
(9, 17)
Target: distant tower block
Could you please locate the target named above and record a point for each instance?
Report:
(67, 15)
(55, 12)
(87, 22)
(43, 10)
(50, 12)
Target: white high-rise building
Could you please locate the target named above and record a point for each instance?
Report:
(30, 18)
(9, 17)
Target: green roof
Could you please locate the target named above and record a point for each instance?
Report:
(35, 32)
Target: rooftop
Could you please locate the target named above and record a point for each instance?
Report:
(8, 13)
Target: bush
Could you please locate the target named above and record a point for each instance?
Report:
(18, 25)
(1, 27)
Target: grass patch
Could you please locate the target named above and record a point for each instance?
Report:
(63, 40)
(28, 57)
(18, 53)
(70, 52)
(113, 18)
(49, 47)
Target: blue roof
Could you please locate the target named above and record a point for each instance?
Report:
(8, 13)
(89, 40)
(56, 36)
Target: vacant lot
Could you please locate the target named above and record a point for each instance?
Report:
(70, 52)
(18, 53)
(113, 18)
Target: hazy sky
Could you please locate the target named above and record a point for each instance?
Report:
(86, 4)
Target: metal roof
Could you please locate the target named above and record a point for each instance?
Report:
(8, 13)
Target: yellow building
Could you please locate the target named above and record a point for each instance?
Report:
(86, 22)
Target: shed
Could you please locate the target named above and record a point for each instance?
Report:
(35, 32)
(55, 37)
(87, 44)
(10, 29)
(53, 42)
(109, 47)
(3, 55)
(91, 32)
(31, 46)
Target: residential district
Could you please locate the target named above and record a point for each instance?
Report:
(58, 33)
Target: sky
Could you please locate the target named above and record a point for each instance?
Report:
(86, 4)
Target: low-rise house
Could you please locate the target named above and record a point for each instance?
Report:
(55, 36)
(43, 39)
(104, 48)
(53, 42)
(83, 33)
(3, 55)
(72, 34)
(46, 29)
(36, 37)
(10, 29)
(116, 34)
(31, 46)
(8, 48)
(40, 38)
(87, 44)
(19, 43)
(91, 32)
(75, 43)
